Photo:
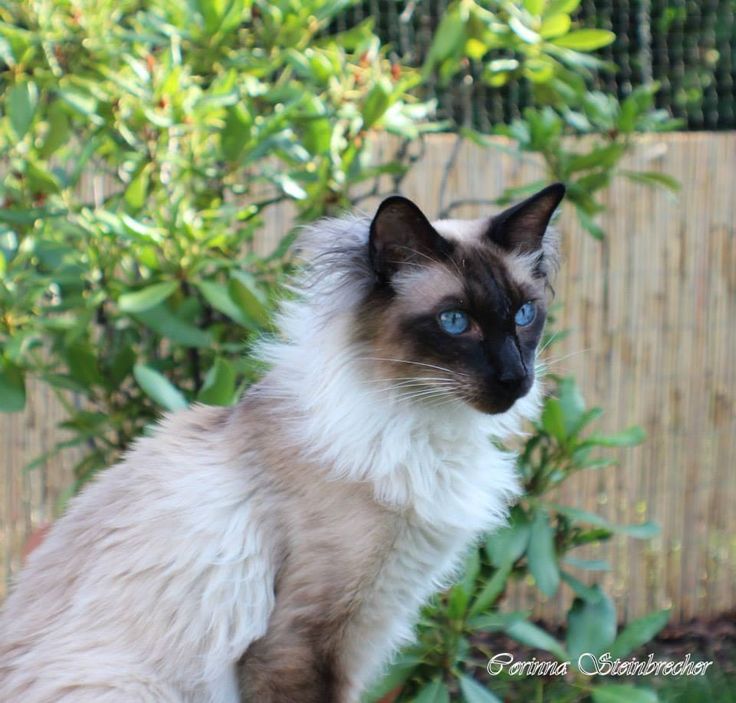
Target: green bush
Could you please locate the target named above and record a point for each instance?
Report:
(144, 145)
(199, 117)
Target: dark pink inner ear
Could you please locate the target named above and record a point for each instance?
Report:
(522, 227)
(400, 234)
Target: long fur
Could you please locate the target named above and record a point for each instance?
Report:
(316, 516)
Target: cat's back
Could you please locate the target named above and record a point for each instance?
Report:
(159, 554)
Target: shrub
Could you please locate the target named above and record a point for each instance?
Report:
(187, 122)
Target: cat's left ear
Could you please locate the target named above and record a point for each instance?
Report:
(522, 227)
(401, 234)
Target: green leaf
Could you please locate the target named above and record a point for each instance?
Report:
(622, 693)
(376, 102)
(534, 7)
(213, 13)
(586, 39)
(21, 103)
(553, 420)
(448, 39)
(491, 591)
(529, 634)
(471, 570)
(219, 384)
(589, 224)
(602, 109)
(249, 299)
(596, 534)
(555, 7)
(588, 593)
(627, 438)
(572, 405)
(217, 295)
(135, 193)
(457, 602)
(496, 621)
(40, 180)
(159, 388)
(637, 104)
(121, 363)
(82, 362)
(579, 515)
(12, 388)
(236, 132)
(160, 319)
(539, 70)
(641, 530)
(58, 130)
(597, 157)
(638, 632)
(653, 178)
(290, 186)
(591, 625)
(82, 103)
(473, 692)
(588, 564)
(434, 692)
(527, 35)
(555, 26)
(506, 545)
(542, 555)
(147, 297)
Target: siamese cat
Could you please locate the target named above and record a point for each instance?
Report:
(278, 551)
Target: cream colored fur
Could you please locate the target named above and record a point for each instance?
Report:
(323, 492)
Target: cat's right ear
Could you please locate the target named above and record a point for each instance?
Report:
(401, 234)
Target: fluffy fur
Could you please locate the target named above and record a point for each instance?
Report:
(278, 550)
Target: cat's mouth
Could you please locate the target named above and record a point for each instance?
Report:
(492, 398)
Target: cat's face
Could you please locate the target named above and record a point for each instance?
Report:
(458, 307)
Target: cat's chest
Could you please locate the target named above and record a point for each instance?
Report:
(345, 546)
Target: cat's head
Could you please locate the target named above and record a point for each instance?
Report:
(457, 307)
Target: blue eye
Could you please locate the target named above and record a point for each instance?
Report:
(525, 315)
(454, 321)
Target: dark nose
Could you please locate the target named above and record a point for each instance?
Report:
(511, 372)
(512, 376)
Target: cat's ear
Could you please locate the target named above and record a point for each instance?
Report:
(400, 234)
(522, 227)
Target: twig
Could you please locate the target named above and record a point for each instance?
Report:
(401, 155)
(448, 168)
(445, 212)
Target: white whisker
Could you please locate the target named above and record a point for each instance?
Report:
(415, 363)
(557, 360)
(549, 341)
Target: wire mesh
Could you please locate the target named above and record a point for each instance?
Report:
(688, 46)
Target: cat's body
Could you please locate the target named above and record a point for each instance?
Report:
(297, 533)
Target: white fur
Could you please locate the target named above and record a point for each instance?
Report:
(161, 573)
(148, 589)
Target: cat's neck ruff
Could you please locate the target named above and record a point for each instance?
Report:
(433, 458)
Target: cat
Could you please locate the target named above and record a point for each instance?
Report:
(279, 551)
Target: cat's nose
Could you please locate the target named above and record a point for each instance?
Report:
(510, 370)
(512, 376)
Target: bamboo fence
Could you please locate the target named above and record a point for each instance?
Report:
(651, 314)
